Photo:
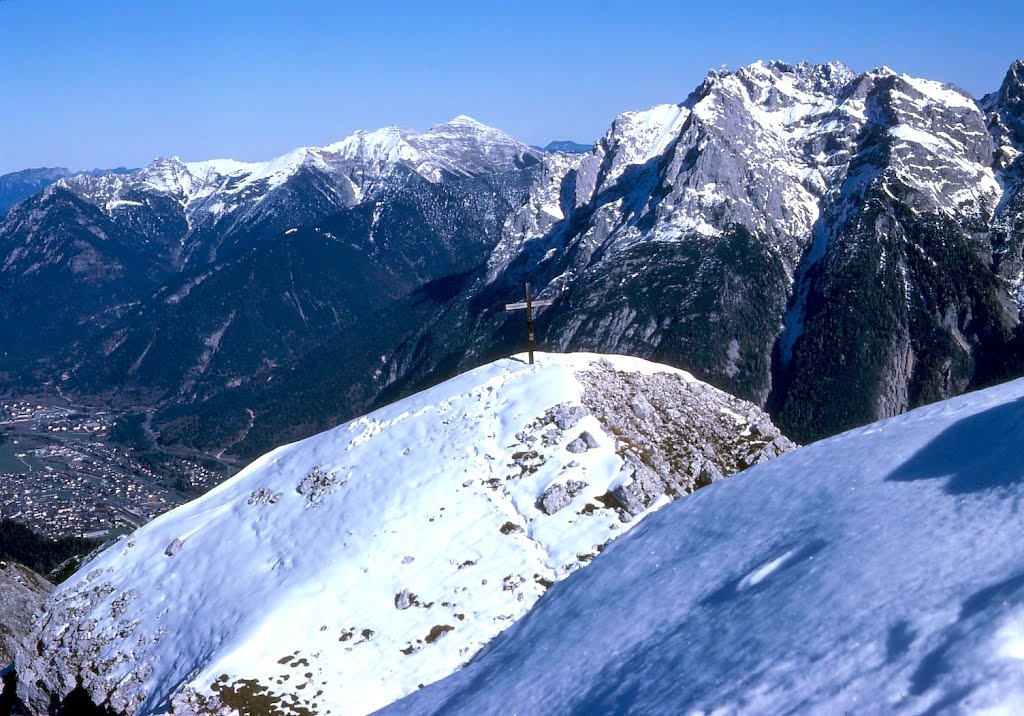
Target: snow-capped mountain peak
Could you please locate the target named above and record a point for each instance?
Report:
(220, 197)
(789, 168)
(939, 93)
(386, 145)
(463, 146)
(341, 572)
(467, 121)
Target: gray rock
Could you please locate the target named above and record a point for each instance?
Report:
(641, 406)
(174, 547)
(405, 599)
(263, 496)
(554, 498)
(316, 485)
(584, 442)
(763, 428)
(709, 473)
(565, 416)
(528, 461)
(550, 437)
(636, 494)
(525, 437)
(577, 446)
(574, 487)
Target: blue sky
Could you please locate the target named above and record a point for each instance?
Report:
(97, 83)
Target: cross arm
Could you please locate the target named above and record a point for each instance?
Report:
(522, 304)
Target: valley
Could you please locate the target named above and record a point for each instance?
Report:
(70, 470)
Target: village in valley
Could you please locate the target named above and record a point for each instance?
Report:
(63, 473)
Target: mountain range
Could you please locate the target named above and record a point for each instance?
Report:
(18, 186)
(834, 246)
(818, 248)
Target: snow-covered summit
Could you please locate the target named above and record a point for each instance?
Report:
(339, 573)
(220, 196)
(461, 147)
(770, 146)
(878, 572)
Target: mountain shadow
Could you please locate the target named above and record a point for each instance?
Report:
(976, 454)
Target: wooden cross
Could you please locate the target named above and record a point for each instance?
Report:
(528, 304)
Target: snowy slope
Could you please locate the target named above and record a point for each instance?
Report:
(340, 573)
(879, 571)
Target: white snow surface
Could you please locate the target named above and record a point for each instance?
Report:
(941, 94)
(256, 580)
(879, 571)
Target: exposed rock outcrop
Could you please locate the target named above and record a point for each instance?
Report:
(22, 593)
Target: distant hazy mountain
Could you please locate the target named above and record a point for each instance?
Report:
(568, 146)
(20, 185)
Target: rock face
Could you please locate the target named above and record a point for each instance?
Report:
(836, 246)
(340, 573)
(22, 593)
(664, 411)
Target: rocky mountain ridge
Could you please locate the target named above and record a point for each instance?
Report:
(790, 233)
(341, 572)
(20, 185)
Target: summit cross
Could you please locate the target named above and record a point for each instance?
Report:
(528, 304)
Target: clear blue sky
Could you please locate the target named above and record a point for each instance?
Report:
(97, 83)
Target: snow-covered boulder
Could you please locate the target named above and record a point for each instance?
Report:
(343, 572)
(877, 572)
